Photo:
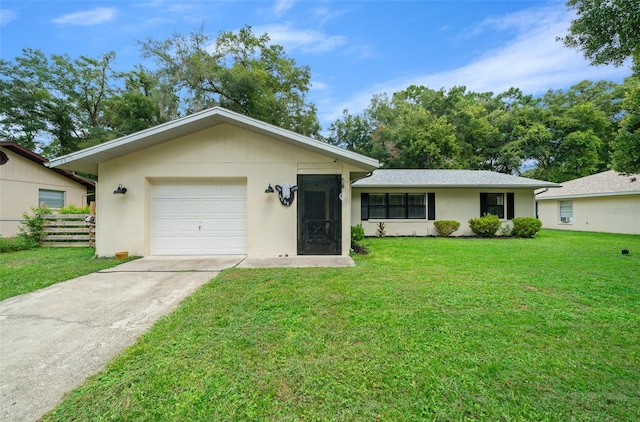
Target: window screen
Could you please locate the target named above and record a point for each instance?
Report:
(53, 198)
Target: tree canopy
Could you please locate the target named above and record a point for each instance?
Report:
(559, 136)
(57, 105)
(239, 71)
(606, 31)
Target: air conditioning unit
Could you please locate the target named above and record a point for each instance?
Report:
(565, 219)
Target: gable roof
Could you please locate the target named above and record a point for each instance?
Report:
(608, 183)
(87, 159)
(40, 160)
(448, 179)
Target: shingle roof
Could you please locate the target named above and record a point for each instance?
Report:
(449, 178)
(608, 183)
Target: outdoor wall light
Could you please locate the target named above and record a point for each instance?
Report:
(120, 190)
(267, 190)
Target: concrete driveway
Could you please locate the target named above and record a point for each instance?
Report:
(52, 339)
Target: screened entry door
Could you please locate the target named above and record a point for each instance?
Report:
(319, 215)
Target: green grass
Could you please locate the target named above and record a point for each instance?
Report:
(422, 329)
(29, 270)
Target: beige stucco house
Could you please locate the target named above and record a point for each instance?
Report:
(26, 182)
(217, 182)
(409, 201)
(604, 202)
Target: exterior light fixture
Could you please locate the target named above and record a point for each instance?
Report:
(267, 190)
(120, 190)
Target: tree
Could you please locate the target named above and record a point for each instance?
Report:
(141, 104)
(606, 31)
(568, 134)
(239, 71)
(55, 104)
(626, 145)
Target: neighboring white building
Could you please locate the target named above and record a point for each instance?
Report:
(25, 182)
(409, 201)
(604, 202)
(217, 182)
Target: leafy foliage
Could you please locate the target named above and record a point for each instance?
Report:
(14, 244)
(485, 226)
(560, 136)
(626, 145)
(607, 32)
(74, 209)
(240, 71)
(526, 227)
(32, 225)
(357, 237)
(446, 227)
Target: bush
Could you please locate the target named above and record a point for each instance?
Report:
(505, 230)
(32, 224)
(526, 226)
(485, 226)
(74, 209)
(446, 227)
(14, 244)
(357, 236)
(357, 233)
(382, 230)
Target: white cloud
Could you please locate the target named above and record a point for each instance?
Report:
(7, 16)
(533, 61)
(90, 17)
(282, 6)
(306, 40)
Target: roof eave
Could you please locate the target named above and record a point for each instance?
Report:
(588, 195)
(87, 160)
(434, 186)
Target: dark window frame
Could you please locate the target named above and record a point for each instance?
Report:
(490, 204)
(396, 206)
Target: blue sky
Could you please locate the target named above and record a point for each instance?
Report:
(354, 48)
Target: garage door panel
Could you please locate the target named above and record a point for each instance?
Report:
(198, 218)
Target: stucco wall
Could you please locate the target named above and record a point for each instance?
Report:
(460, 204)
(609, 214)
(218, 153)
(20, 181)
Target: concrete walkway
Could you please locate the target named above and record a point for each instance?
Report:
(52, 339)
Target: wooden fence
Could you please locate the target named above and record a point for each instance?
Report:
(68, 230)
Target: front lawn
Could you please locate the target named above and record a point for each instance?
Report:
(421, 329)
(26, 271)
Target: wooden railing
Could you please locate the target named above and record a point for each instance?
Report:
(68, 230)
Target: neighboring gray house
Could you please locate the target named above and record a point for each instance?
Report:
(604, 202)
(409, 201)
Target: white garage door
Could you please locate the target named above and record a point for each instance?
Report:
(199, 218)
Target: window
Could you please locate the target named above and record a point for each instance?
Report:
(566, 211)
(494, 203)
(393, 206)
(53, 198)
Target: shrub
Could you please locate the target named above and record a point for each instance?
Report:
(357, 236)
(526, 226)
(32, 225)
(14, 244)
(357, 233)
(505, 230)
(382, 230)
(446, 227)
(74, 209)
(485, 226)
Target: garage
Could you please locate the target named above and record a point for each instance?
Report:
(199, 218)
